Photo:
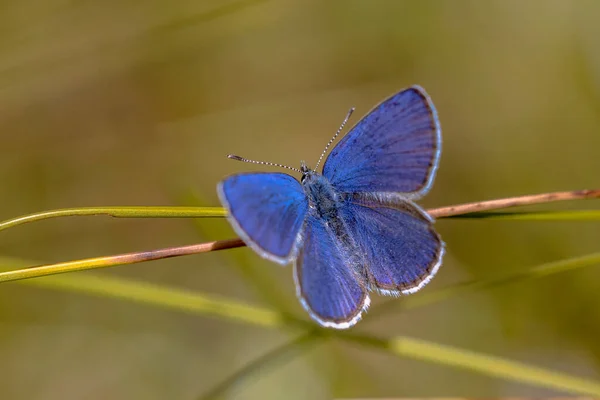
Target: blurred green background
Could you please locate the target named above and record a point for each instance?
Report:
(138, 103)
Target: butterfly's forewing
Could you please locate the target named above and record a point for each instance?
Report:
(401, 250)
(393, 149)
(325, 280)
(267, 210)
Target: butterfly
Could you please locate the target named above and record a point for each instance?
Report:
(354, 228)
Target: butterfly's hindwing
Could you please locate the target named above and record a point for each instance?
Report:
(401, 250)
(327, 283)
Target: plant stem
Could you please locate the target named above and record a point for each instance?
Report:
(182, 212)
(118, 212)
(121, 259)
(509, 202)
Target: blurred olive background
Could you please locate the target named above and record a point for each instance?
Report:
(138, 103)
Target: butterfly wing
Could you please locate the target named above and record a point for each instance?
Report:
(401, 250)
(267, 211)
(326, 283)
(393, 149)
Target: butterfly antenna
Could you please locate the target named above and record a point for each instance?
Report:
(334, 136)
(238, 158)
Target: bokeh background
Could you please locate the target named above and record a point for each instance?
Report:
(138, 103)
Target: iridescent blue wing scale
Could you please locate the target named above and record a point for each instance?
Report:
(391, 153)
(267, 210)
(401, 250)
(326, 282)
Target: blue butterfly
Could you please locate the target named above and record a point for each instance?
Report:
(354, 228)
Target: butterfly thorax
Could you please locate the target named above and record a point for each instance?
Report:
(323, 199)
(326, 204)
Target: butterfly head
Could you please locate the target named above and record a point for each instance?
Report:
(307, 173)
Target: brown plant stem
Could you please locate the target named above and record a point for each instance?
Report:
(509, 202)
(137, 257)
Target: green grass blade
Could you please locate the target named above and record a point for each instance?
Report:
(118, 212)
(491, 366)
(248, 266)
(483, 364)
(267, 287)
(270, 360)
(435, 296)
(201, 304)
(154, 295)
(203, 212)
